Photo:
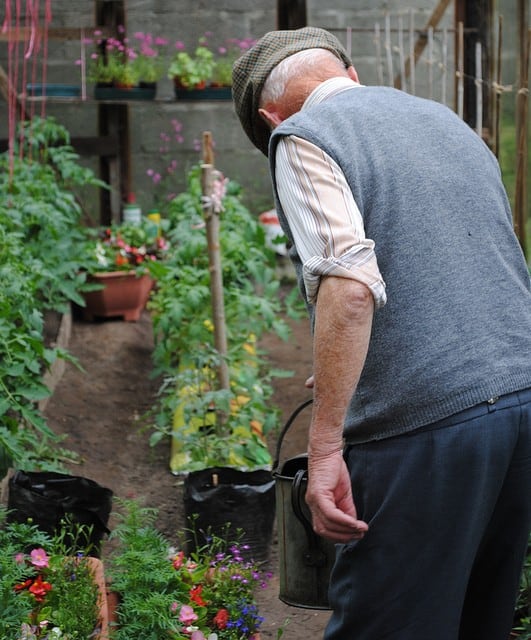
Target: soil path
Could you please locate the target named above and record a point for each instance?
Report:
(98, 410)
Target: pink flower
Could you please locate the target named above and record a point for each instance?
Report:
(187, 614)
(39, 558)
(178, 560)
(179, 45)
(19, 558)
(197, 635)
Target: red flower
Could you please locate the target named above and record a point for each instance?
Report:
(221, 618)
(195, 595)
(40, 588)
(23, 585)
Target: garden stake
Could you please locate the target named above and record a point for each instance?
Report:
(214, 256)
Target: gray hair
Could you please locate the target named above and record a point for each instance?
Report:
(307, 62)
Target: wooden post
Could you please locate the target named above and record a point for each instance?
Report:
(214, 257)
(498, 91)
(477, 18)
(460, 74)
(522, 127)
(291, 14)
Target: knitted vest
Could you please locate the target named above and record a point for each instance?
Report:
(456, 329)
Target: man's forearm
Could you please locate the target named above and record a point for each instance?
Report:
(343, 321)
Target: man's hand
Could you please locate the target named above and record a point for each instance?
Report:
(329, 497)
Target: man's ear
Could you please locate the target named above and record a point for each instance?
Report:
(271, 118)
(352, 74)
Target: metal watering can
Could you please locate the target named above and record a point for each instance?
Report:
(305, 559)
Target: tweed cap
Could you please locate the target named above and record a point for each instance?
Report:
(250, 72)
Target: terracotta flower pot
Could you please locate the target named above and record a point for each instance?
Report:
(124, 294)
(102, 630)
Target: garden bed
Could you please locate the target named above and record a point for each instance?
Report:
(100, 409)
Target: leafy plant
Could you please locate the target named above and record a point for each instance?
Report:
(42, 266)
(161, 177)
(523, 605)
(225, 58)
(125, 61)
(208, 425)
(206, 595)
(125, 247)
(46, 591)
(192, 69)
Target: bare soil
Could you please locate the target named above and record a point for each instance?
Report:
(99, 410)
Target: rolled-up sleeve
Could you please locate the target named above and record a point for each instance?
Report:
(324, 219)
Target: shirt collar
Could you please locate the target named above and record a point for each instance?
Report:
(329, 88)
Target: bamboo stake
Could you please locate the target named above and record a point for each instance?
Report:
(411, 51)
(429, 62)
(401, 53)
(214, 257)
(520, 201)
(434, 20)
(349, 42)
(479, 91)
(83, 66)
(444, 63)
(388, 47)
(498, 90)
(460, 70)
(378, 43)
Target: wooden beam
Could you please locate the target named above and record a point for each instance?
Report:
(8, 92)
(97, 146)
(22, 34)
(422, 40)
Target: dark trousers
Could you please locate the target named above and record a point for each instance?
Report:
(449, 514)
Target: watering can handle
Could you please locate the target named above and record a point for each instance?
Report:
(315, 557)
(288, 424)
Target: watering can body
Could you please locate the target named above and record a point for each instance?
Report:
(305, 559)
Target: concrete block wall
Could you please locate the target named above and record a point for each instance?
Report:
(186, 21)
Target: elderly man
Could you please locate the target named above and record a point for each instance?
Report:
(419, 447)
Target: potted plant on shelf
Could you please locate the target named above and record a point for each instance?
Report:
(191, 72)
(126, 68)
(121, 257)
(47, 591)
(223, 62)
(162, 592)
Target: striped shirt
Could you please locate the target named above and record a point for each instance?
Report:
(324, 219)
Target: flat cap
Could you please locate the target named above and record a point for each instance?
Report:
(250, 72)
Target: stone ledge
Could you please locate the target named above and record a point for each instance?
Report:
(52, 377)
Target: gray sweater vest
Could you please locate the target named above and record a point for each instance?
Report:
(456, 329)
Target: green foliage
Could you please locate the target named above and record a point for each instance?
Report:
(53, 586)
(163, 591)
(508, 163)
(523, 604)
(42, 262)
(125, 247)
(212, 426)
(194, 69)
